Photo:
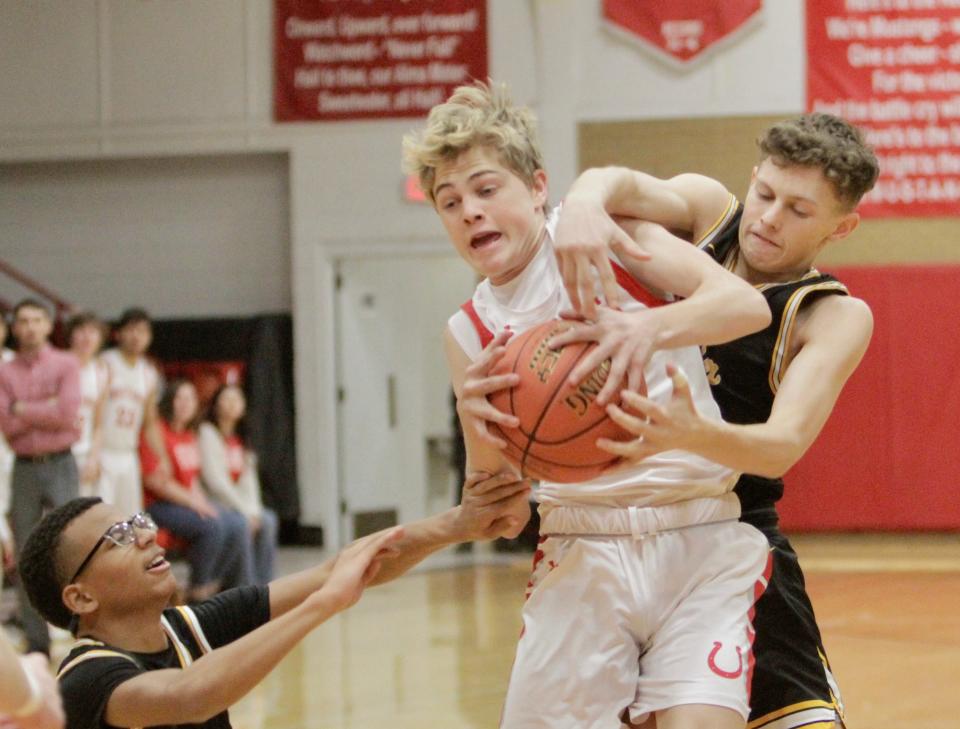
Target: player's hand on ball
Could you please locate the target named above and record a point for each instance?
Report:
(626, 339)
(658, 428)
(493, 505)
(474, 409)
(354, 568)
(584, 238)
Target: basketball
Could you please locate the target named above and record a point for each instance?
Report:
(559, 423)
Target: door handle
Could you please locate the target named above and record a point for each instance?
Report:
(392, 401)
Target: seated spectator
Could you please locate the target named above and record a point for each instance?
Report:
(218, 548)
(229, 472)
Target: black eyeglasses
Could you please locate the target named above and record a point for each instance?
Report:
(123, 534)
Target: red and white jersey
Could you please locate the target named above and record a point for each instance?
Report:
(94, 377)
(537, 295)
(129, 388)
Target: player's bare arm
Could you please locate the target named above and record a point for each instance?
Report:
(222, 677)
(471, 384)
(688, 204)
(831, 338)
(716, 307)
(480, 516)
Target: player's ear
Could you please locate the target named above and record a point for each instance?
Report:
(539, 188)
(78, 599)
(848, 223)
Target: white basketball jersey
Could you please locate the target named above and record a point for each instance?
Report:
(6, 455)
(537, 295)
(93, 381)
(126, 399)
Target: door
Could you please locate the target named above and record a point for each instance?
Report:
(394, 397)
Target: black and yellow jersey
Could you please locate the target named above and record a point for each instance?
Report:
(745, 374)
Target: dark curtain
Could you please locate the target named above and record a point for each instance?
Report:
(265, 345)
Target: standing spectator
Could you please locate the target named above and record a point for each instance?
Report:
(131, 406)
(229, 472)
(39, 399)
(6, 467)
(85, 334)
(218, 548)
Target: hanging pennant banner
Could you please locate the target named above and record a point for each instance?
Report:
(892, 67)
(680, 31)
(362, 59)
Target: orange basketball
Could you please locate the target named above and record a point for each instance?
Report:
(559, 423)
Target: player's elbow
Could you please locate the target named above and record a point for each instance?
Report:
(782, 459)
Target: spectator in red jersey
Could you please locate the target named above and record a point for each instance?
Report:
(229, 471)
(218, 549)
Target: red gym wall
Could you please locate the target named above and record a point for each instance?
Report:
(885, 460)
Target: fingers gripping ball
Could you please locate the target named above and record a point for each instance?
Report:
(559, 423)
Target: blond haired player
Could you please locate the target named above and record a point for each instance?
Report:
(131, 406)
(647, 566)
(776, 387)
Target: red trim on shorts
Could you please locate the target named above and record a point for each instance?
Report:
(633, 287)
(486, 336)
(759, 587)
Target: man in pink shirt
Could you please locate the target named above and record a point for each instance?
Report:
(39, 401)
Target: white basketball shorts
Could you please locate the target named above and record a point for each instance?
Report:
(628, 624)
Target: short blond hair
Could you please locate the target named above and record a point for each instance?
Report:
(479, 115)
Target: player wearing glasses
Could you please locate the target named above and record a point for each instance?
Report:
(138, 662)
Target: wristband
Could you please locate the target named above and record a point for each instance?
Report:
(33, 702)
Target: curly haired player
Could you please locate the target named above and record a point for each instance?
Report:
(776, 387)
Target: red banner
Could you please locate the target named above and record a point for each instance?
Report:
(362, 59)
(893, 68)
(680, 30)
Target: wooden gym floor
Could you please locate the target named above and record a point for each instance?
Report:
(434, 648)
